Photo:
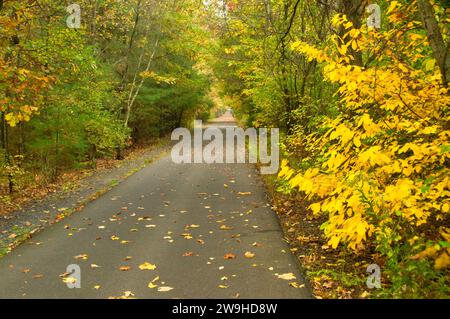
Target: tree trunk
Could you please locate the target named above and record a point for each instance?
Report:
(7, 155)
(135, 88)
(354, 10)
(130, 45)
(440, 48)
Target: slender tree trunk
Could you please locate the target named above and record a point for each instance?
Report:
(119, 153)
(94, 20)
(7, 154)
(2, 130)
(21, 146)
(130, 44)
(5, 138)
(440, 48)
(136, 88)
(55, 170)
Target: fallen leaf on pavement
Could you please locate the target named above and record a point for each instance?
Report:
(287, 276)
(155, 279)
(249, 254)
(69, 280)
(186, 236)
(296, 285)
(151, 284)
(124, 268)
(128, 294)
(147, 266)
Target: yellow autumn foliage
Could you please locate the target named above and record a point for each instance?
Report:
(383, 161)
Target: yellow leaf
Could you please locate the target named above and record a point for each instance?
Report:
(69, 280)
(315, 208)
(357, 141)
(147, 266)
(249, 254)
(334, 241)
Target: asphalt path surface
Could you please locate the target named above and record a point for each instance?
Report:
(197, 230)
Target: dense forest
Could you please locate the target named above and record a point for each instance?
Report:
(71, 95)
(360, 96)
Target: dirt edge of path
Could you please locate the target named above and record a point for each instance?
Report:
(331, 273)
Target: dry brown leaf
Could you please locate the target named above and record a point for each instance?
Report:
(124, 268)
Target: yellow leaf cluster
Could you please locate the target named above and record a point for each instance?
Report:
(388, 161)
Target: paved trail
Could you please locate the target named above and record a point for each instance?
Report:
(181, 218)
